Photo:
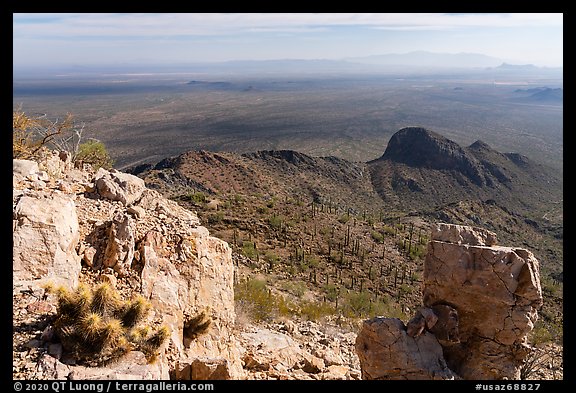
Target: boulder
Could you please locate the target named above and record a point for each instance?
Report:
(45, 236)
(133, 366)
(23, 168)
(461, 234)
(496, 293)
(203, 369)
(387, 352)
(266, 348)
(118, 186)
(181, 289)
(480, 302)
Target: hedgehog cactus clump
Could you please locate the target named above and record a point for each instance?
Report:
(98, 327)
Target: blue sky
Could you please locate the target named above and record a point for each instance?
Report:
(95, 39)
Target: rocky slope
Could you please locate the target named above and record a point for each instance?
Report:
(74, 225)
(421, 173)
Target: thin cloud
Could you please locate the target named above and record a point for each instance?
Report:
(147, 25)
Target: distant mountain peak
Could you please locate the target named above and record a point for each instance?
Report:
(422, 148)
(480, 145)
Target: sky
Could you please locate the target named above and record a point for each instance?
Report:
(110, 39)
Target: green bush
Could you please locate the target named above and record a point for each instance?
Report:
(275, 221)
(197, 197)
(94, 152)
(377, 236)
(344, 218)
(331, 292)
(254, 297)
(215, 218)
(313, 311)
(248, 250)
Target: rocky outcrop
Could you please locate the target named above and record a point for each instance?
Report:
(45, 235)
(387, 352)
(480, 303)
(496, 292)
(138, 241)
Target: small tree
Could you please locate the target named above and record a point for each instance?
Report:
(30, 134)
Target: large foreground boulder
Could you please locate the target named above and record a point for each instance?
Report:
(386, 351)
(480, 302)
(496, 292)
(44, 238)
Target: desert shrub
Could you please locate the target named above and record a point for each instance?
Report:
(377, 236)
(215, 218)
(417, 251)
(198, 197)
(31, 134)
(254, 298)
(388, 230)
(94, 152)
(97, 326)
(249, 250)
(296, 288)
(358, 303)
(271, 258)
(344, 218)
(331, 292)
(313, 311)
(262, 210)
(540, 334)
(275, 221)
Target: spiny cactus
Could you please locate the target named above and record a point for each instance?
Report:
(197, 325)
(98, 327)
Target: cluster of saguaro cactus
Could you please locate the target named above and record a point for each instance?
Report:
(96, 326)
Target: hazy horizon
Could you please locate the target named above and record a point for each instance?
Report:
(68, 40)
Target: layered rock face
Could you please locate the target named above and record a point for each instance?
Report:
(139, 241)
(480, 302)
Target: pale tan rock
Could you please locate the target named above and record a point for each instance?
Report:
(203, 369)
(266, 348)
(460, 234)
(387, 352)
(45, 238)
(120, 249)
(118, 186)
(496, 292)
(336, 372)
(133, 366)
(202, 282)
(312, 364)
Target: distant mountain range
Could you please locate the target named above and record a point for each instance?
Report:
(541, 95)
(417, 61)
(430, 59)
